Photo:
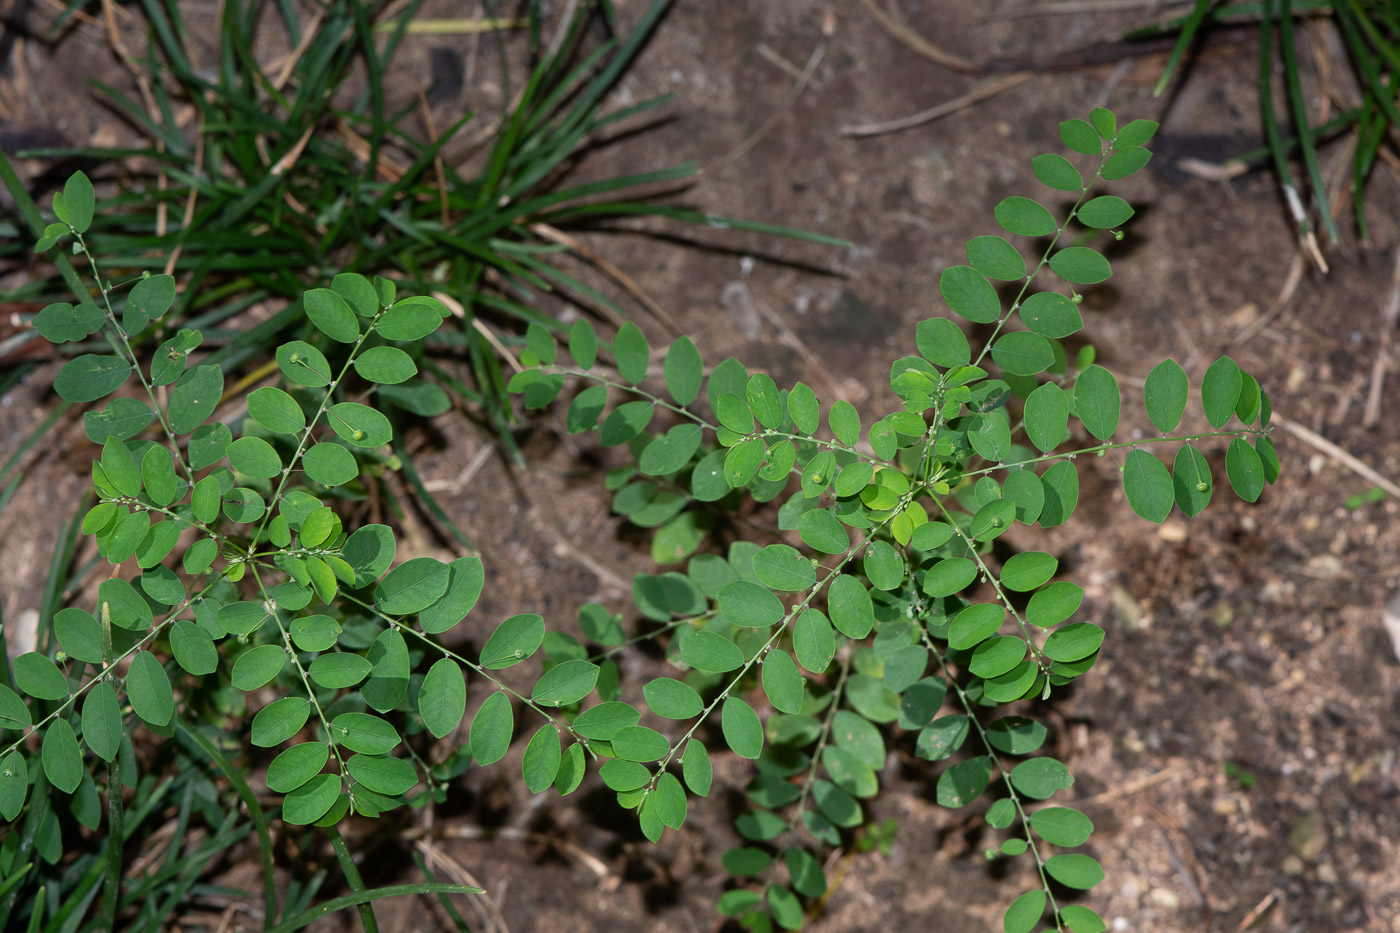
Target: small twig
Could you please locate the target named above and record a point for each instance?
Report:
(1322, 444)
(612, 271)
(458, 485)
(458, 310)
(1258, 911)
(1130, 788)
(486, 907)
(1281, 300)
(1068, 7)
(980, 93)
(778, 113)
(284, 71)
(892, 23)
(770, 55)
(437, 156)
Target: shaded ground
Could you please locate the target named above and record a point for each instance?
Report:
(1248, 637)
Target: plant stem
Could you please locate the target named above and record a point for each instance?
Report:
(352, 877)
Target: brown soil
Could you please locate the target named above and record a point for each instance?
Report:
(1249, 637)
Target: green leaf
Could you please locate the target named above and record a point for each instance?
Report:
(442, 698)
(77, 202)
(1192, 482)
(969, 294)
(1025, 217)
(309, 802)
(778, 567)
(973, 625)
(671, 451)
(207, 445)
(122, 418)
(1061, 484)
(1245, 470)
(1051, 314)
(331, 315)
(941, 342)
(412, 586)
(632, 353)
(782, 682)
(996, 656)
(849, 605)
(963, 782)
(542, 759)
(491, 728)
(942, 737)
(279, 720)
(1023, 354)
(670, 699)
(1081, 919)
(1136, 133)
(742, 462)
(89, 377)
(1047, 416)
(514, 640)
(148, 300)
(254, 457)
(388, 677)
(1039, 778)
(1164, 395)
(412, 318)
(383, 775)
(195, 397)
(1061, 826)
(14, 784)
(623, 776)
(1105, 213)
(297, 765)
(385, 365)
(764, 401)
(79, 634)
(1024, 913)
(541, 343)
(158, 476)
(695, 768)
(338, 669)
(949, 576)
(638, 743)
(102, 721)
(734, 413)
(883, 565)
(571, 770)
(13, 713)
(63, 762)
(995, 258)
(804, 409)
(823, 532)
(1268, 458)
(990, 435)
(1074, 870)
(814, 641)
(303, 364)
(742, 731)
(844, 422)
(1148, 485)
(1126, 161)
(1081, 137)
(360, 293)
(256, 667)
(1220, 391)
(359, 424)
(330, 464)
(39, 677)
(148, 689)
(1028, 570)
(684, 371)
(670, 801)
(1080, 265)
(583, 344)
(120, 468)
(566, 683)
(585, 408)
(1104, 122)
(606, 719)
(625, 422)
(1097, 401)
(714, 654)
(1055, 171)
(61, 322)
(466, 577)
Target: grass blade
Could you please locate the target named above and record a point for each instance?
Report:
(1299, 105)
(350, 900)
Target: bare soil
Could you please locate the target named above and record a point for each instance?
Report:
(1247, 639)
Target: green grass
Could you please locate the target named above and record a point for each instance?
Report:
(1370, 30)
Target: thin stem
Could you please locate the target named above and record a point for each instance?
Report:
(352, 877)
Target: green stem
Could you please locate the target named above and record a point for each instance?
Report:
(352, 877)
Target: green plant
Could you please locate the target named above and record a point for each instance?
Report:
(898, 520)
(1370, 32)
(272, 592)
(290, 176)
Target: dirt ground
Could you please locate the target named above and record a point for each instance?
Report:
(1246, 643)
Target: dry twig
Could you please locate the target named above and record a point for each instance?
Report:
(1320, 443)
(979, 93)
